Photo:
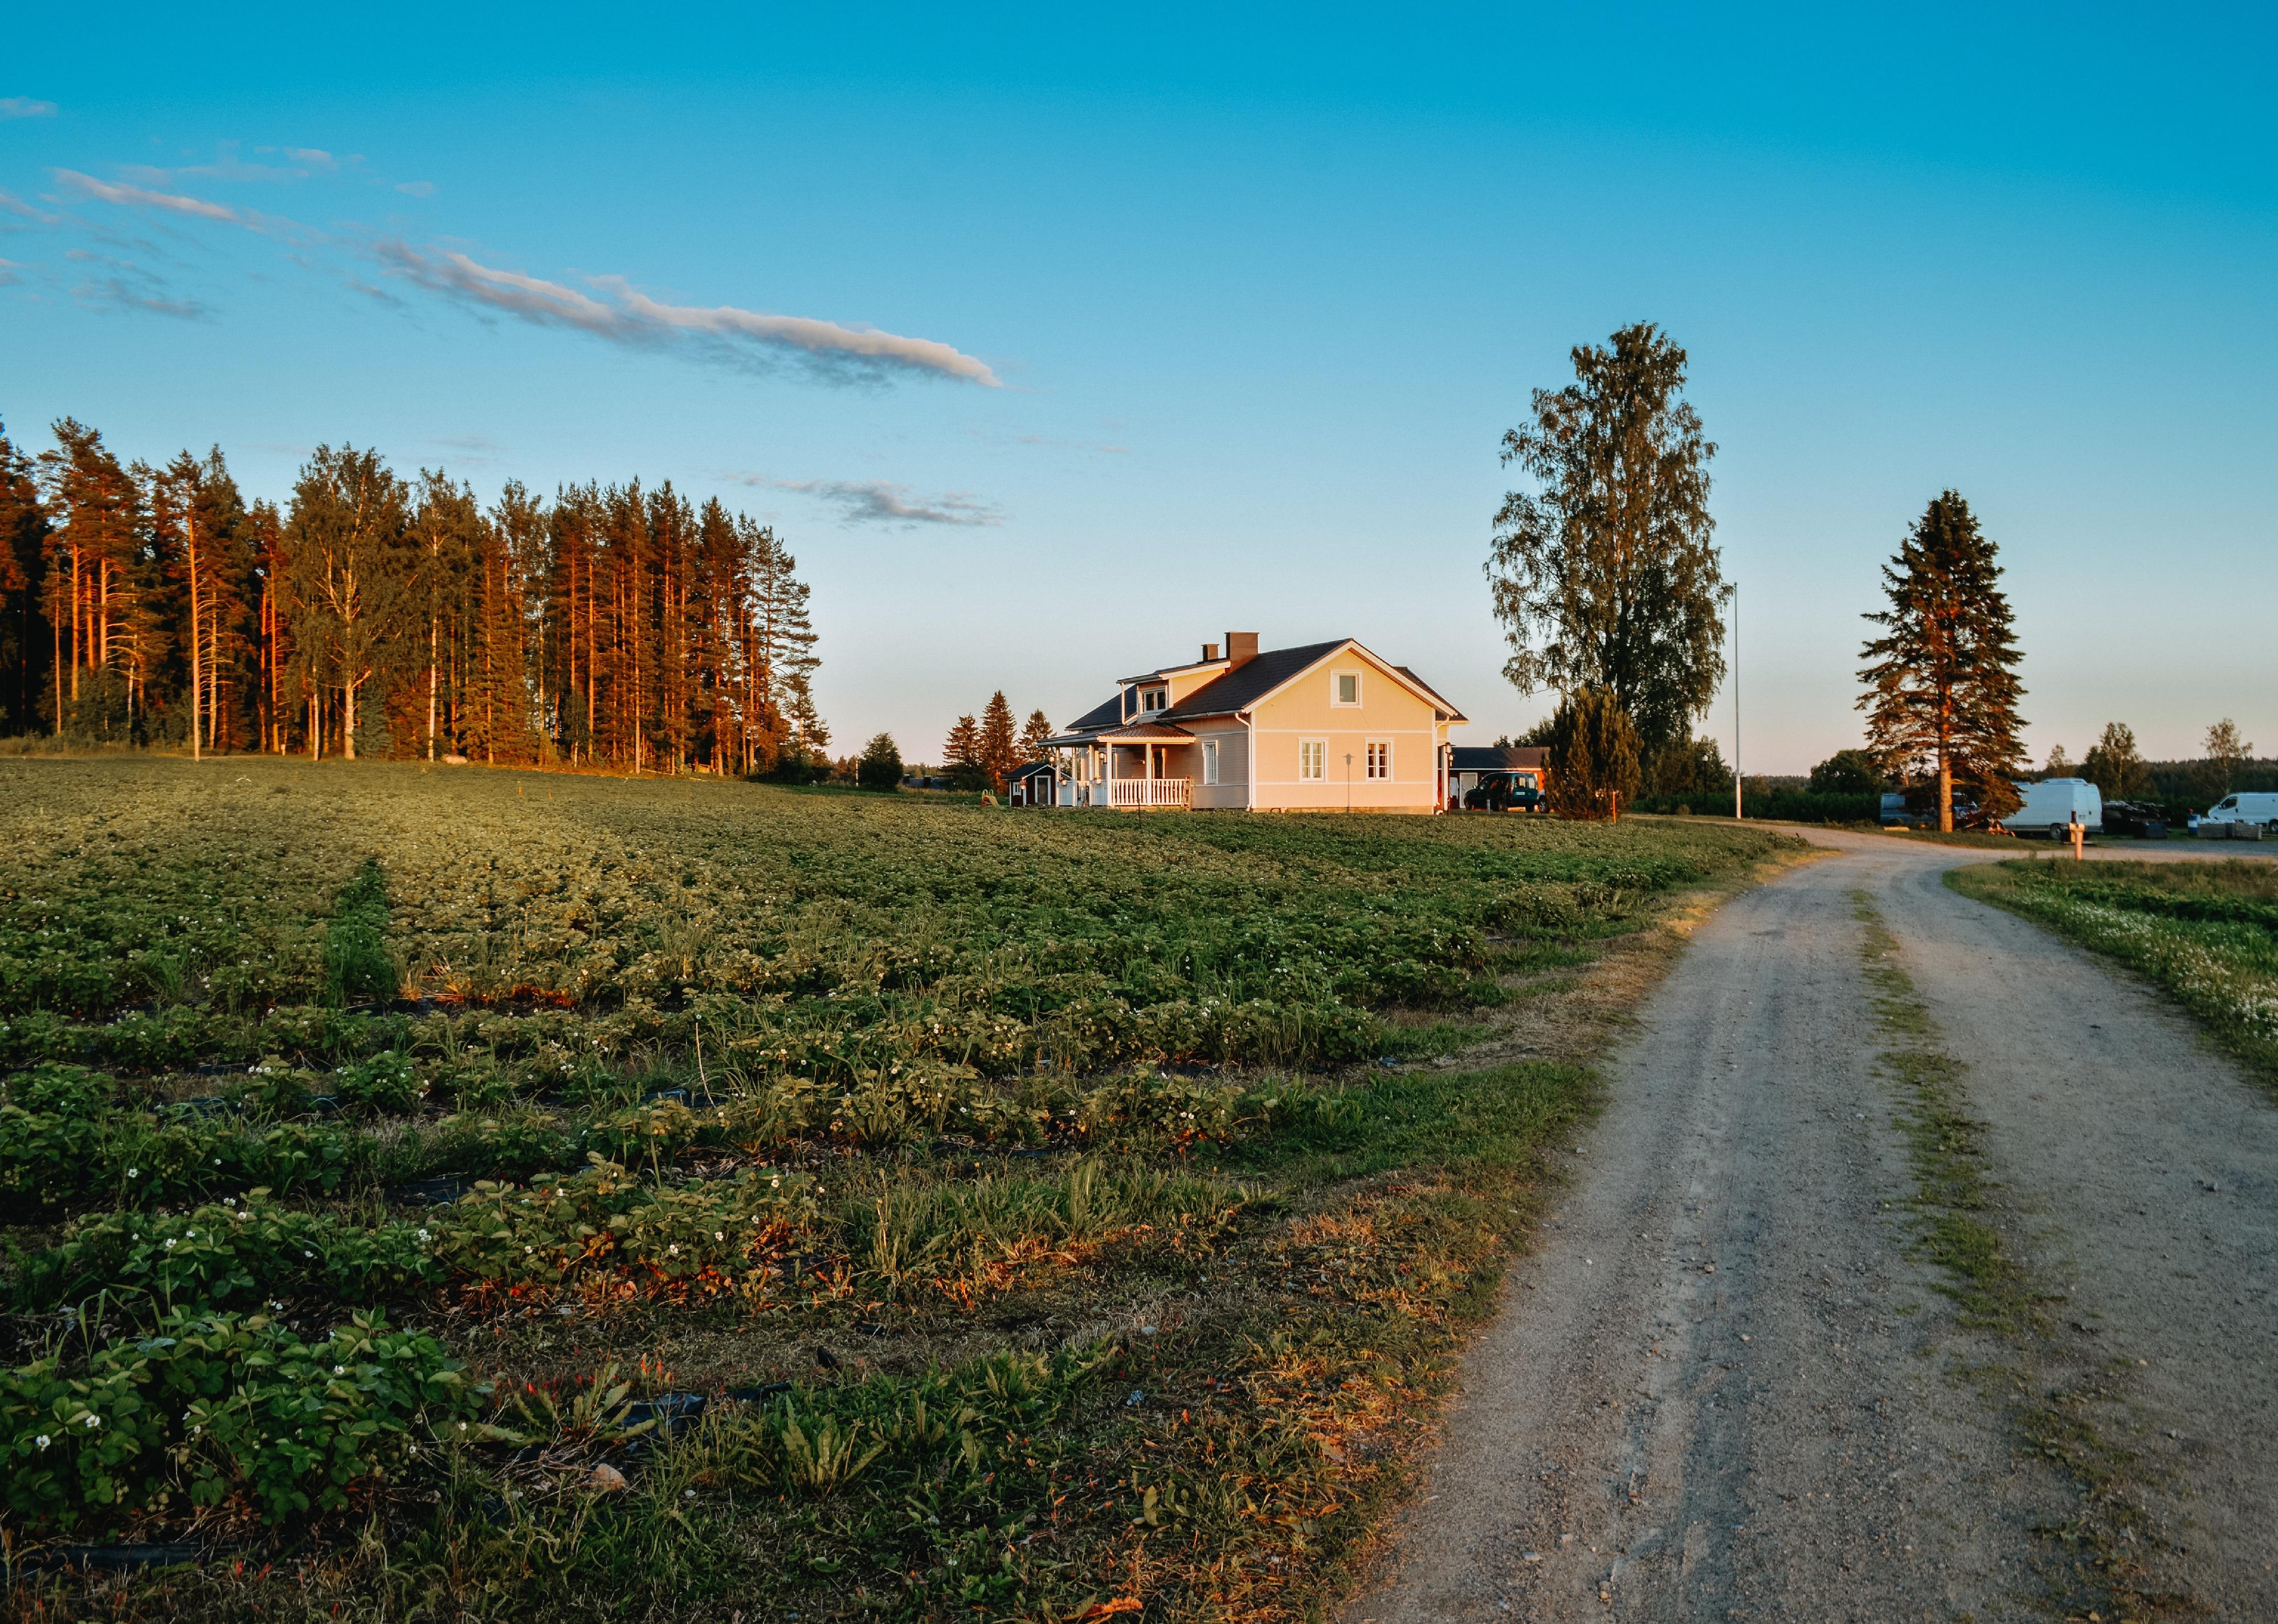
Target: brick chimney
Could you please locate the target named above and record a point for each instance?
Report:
(1241, 649)
(1209, 653)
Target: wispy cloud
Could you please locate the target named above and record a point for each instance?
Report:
(111, 283)
(24, 107)
(628, 315)
(143, 198)
(11, 204)
(8, 277)
(882, 502)
(416, 188)
(302, 164)
(470, 449)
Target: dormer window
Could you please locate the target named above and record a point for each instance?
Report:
(1154, 698)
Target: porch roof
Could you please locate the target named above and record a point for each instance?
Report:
(1141, 733)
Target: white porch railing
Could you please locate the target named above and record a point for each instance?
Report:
(1145, 794)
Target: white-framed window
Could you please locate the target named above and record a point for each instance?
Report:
(1312, 759)
(1380, 758)
(1153, 699)
(1209, 760)
(1344, 688)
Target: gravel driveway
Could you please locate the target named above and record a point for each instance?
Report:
(1725, 1383)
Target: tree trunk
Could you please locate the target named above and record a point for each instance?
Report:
(197, 649)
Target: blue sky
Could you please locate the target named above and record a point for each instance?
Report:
(1109, 336)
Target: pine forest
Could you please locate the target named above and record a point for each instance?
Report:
(615, 625)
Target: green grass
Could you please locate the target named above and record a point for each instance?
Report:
(2207, 932)
(1086, 1207)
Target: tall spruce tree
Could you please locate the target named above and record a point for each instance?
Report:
(1000, 750)
(963, 750)
(1033, 732)
(1607, 576)
(1941, 687)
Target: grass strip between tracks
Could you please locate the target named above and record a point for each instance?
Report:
(2054, 1389)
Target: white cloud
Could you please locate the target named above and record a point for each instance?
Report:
(814, 338)
(315, 157)
(631, 317)
(24, 107)
(882, 502)
(143, 198)
(416, 188)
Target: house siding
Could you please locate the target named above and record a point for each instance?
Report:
(1232, 790)
(1390, 712)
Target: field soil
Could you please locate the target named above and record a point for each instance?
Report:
(1729, 1382)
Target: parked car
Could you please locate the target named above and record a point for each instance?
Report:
(1918, 809)
(2141, 818)
(2246, 806)
(2052, 805)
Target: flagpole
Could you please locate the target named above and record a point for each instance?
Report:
(1736, 701)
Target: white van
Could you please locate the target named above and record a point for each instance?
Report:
(2052, 804)
(2243, 808)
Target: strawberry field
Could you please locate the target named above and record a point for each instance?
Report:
(467, 1194)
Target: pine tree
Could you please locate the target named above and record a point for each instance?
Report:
(1592, 756)
(23, 644)
(198, 534)
(351, 584)
(619, 625)
(448, 531)
(1033, 732)
(1942, 691)
(96, 541)
(963, 750)
(999, 751)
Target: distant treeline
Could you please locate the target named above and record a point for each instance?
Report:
(2176, 786)
(377, 616)
(2198, 785)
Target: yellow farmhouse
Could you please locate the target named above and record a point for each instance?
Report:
(1329, 727)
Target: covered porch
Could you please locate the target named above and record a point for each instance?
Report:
(1144, 766)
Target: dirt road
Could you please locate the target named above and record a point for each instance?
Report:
(1726, 1384)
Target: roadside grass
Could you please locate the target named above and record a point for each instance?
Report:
(2205, 932)
(2057, 1393)
(919, 1211)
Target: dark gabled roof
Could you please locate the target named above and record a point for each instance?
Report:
(1030, 769)
(1429, 689)
(1497, 758)
(1106, 715)
(1251, 681)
